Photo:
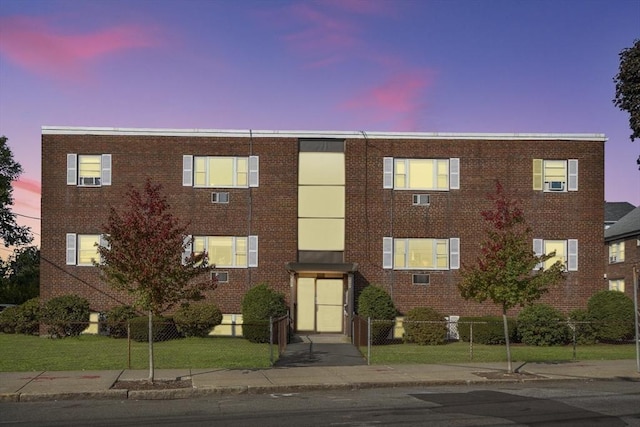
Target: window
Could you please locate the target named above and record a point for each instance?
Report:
(220, 276)
(219, 171)
(616, 252)
(616, 285)
(222, 197)
(89, 170)
(421, 254)
(421, 174)
(566, 251)
(555, 175)
(420, 279)
(82, 249)
(227, 251)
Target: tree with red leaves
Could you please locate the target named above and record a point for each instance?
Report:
(143, 255)
(506, 272)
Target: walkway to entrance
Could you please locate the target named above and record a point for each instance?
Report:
(320, 350)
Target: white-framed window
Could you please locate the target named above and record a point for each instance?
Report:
(220, 171)
(566, 251)
(421, 174)
(82, 249)
(555, 175)
(88, 170)
(227, 251)
(421, 254)
(616, 285)
(616, 252)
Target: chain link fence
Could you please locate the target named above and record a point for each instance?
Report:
(125, 346)
(400, 340)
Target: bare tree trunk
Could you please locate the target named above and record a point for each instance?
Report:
(151, 368)
(506, 339)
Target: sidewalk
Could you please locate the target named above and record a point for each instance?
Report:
(50, 385)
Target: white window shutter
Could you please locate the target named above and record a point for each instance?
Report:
(187, 245)
(104, 244)
(72, 169)
(387, 252)
(572, 258)
(71, 249)
(187, 171)
(573, 175)
(538, 249)
(254, 176)
(105, 175)
(454, 253)
(388, 172)
(253, 251)
(454, 174)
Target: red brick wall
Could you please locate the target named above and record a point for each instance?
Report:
(270, 210)
(624, 270)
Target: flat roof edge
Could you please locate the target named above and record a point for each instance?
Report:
(72, 130)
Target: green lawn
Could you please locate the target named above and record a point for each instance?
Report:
(89, 352)
(459, 352)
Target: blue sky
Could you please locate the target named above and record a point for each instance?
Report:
(398, 65)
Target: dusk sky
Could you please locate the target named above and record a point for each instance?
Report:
(399, 65)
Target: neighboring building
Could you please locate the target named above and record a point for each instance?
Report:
(623, 252)
(613, 211)
(321, 215)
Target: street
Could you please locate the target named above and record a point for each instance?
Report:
(569, 403)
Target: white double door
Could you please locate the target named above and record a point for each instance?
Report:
(320, 305)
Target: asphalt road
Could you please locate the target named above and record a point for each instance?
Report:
(572, 403)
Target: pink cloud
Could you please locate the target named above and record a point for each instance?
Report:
(28, 185)
(364, 7)
(35, 45)
(396, 102)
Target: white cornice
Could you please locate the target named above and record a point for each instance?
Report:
(70, 130)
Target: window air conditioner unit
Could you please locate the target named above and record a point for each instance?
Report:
(219, 197)
(421, 199)
(420, 279)
(220, 276)
(556, 186)
(89, 180)
(613, 258)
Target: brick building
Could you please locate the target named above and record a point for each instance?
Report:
(320, 215)
(622, 241)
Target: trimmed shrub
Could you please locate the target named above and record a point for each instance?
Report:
(65, 316)
(542, 325)
(425, 326)
(582, 324)
(163, 329)
(117, 320)
(9, 319)
(613, 313)
(197, 320)
(258, 305)
(486, 330)
(21, 319)
(375, 303)
(28, 318)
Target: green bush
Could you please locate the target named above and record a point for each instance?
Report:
(260, 304)
(542, 325)
(117, 320)
(21, 319)
(486, 330)
(163, 329)
(582, 324)
(613, 313)
(28, 319)
(425, 326)
(65, 316)
(9, 319)
(197, 320)
(375, 303)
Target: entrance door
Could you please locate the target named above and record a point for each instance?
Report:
(320, 305)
